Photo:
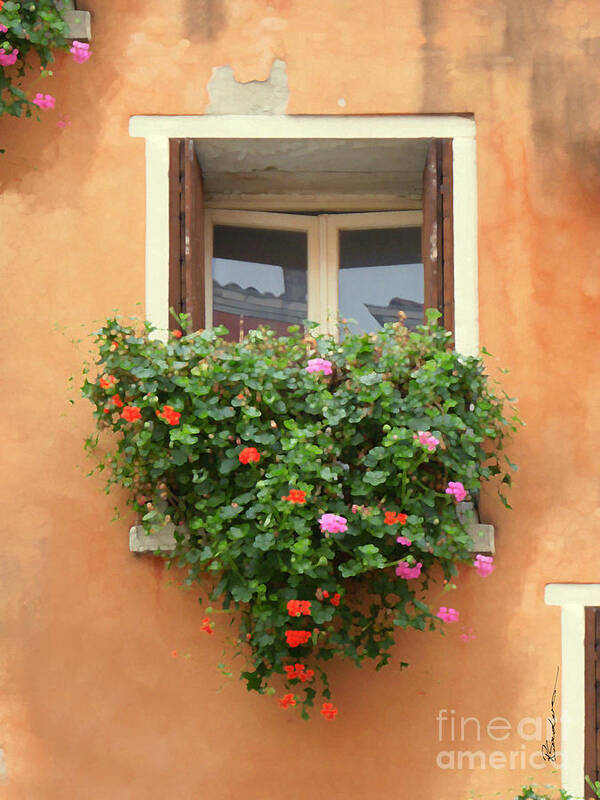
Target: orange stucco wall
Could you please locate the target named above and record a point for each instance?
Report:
(93, 704)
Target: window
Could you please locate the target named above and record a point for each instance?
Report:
(280, 269)
(242, 268)
(309, 164)
(579, 676)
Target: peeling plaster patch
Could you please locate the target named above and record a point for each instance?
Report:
(342, 102)
(3, 773)
(228, 96)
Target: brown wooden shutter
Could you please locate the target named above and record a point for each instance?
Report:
(592, 690)
(186, 233)
(437, 237)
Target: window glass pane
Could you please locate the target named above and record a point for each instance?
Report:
(259, 278)
(381, 273)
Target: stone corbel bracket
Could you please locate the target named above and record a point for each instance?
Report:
(79, 22)
(482, 536)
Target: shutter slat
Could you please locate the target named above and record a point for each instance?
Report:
(592, 691)
(194, 236)
(176, 301)
(186, 233)
(437, 234)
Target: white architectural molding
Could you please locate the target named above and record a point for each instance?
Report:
(572, 599)
(261, 126)
(157, 130)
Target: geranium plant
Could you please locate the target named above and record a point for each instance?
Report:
(314, 482)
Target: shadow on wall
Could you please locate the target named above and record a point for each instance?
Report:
(204, 19)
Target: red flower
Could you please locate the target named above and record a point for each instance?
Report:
(296, 496)
(297, 608)
(335, 600)
(169, 415)
(298, 671)
(206, 625)
(249, 454)
(296, 638)
(131, 413)
(117, 401)
(392, 518)
(107, 383)
(287, 700)
(328, 710)
(173, 653)
(107, 410)
(177, 334)
(325, 594)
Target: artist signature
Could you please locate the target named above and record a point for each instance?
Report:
(549, 747)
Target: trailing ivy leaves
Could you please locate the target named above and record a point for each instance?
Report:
(244, 451)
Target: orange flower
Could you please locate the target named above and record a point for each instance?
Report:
(131, 413)
(207, 626)
(329, 711)
(287, 700)
(296, 496)
(107, 383)
(335, 600)
(117, 401)
(173, 653)
(296, 638)
(297, 608)
(392, 518)
(298, 671)
(249, 454)
(177, 334)
(169, 414)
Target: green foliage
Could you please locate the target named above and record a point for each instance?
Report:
(594, 785)
(530, 793)
(348, 440)
(35, 25)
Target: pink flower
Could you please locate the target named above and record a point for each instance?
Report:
(319, 365)
(3, 28)
(80, 52)
(457, 489)
(403, 540)
(8, 59)
(484, 565)
(332, 523)
(355, 509)
(447, 614)
(427, 439)
(404, 570)
(63, 123)
(43, 101)
(467, 636)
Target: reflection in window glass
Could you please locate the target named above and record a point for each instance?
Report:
(259, 278)
(381, 273)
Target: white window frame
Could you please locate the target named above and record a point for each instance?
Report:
(322, 232)
(269, 220)
(157, 130)
(573, 598)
